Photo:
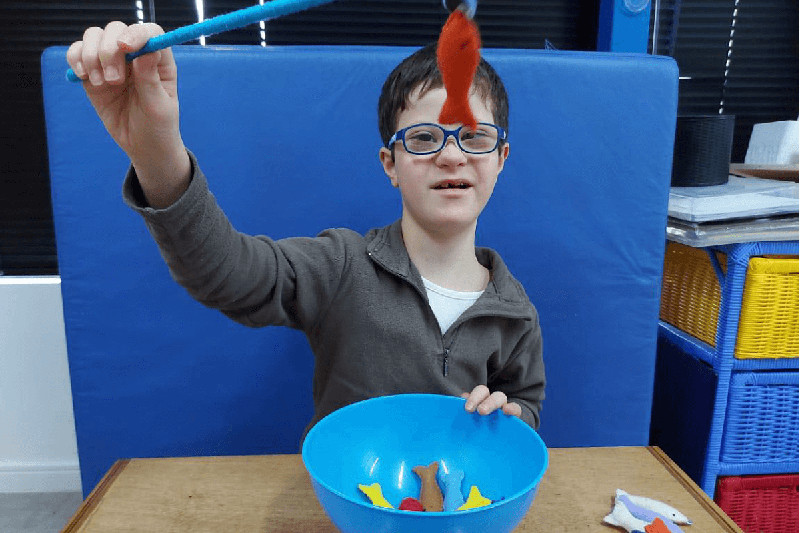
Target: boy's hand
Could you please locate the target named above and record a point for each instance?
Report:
(485, 402)
(137, 101)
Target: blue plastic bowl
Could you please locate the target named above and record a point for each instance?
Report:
(382, 439)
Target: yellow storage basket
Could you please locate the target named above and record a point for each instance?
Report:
(768, 322)
(690, 292)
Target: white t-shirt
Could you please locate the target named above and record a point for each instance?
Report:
(448, 304)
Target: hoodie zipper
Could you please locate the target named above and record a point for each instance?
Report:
(459, 321)
(424, 296)
(446, 352)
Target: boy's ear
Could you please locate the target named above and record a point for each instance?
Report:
(389, 167)
(503, 154)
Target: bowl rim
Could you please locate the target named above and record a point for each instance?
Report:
(530, 486)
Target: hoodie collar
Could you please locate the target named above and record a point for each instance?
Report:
(386, 247)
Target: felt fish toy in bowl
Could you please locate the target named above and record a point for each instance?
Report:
(440, 490)
(381, 440)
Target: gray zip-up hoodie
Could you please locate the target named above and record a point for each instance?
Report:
(360, 301)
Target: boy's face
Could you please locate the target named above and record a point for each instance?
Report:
(426, 203)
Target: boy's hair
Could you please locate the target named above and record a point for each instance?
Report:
(420, 70)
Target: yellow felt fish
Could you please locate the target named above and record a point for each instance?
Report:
(375, 495)
(475, 500)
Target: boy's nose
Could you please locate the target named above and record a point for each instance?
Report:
(451, 150)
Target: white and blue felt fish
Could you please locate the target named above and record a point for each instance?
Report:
(636, 513)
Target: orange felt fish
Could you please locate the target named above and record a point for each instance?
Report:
(430, 495)
(658, 526)
(458, 54)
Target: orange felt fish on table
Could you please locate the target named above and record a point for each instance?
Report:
(458, 55)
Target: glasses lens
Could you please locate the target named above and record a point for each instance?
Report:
(424, 138)
(480, 140)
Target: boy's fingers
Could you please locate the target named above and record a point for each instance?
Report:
(89, 51)
(112, 58)
(478, 394)
(496, 400)
(485, 402)
(513, 409)
(74, 59)
(136, 36)
(153, 68)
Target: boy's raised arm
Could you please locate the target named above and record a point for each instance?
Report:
(137, 103)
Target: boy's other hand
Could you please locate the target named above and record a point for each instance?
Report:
(137, 101)
(486, 402)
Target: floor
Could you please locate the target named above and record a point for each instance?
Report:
(37, 512)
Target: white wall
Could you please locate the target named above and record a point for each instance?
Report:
(38, 450)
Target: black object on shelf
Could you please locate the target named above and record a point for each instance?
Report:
(702, 151)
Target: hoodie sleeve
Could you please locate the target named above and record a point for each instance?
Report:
(254, 280)
(522, 379)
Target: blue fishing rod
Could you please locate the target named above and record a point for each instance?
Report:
(219, 24)
(243, 17)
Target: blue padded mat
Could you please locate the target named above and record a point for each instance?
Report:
(288, 138)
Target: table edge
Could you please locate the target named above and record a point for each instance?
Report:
(93, 500)
(694, 489)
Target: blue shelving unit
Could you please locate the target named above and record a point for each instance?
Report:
(716, 415)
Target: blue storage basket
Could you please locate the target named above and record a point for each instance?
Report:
(761, 425)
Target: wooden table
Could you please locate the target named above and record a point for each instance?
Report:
(273, 493)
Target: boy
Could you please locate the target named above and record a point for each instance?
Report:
(411, 307)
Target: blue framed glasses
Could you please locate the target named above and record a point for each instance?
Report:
(428, 138)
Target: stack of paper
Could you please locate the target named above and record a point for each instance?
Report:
(740, 197)
(742, 210)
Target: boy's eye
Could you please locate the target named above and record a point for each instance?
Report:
(467, 135)
(480, 140)
(422, 136)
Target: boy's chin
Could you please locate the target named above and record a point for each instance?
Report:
(443, 223)
(453, 224)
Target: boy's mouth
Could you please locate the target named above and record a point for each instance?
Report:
(452, 184)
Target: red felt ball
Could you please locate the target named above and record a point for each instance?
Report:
(411, 504)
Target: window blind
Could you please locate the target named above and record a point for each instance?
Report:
(735, 57)
(27, 242)
(761, 80)
(568, 24)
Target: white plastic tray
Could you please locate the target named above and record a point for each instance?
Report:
(739, 198)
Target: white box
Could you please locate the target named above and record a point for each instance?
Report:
(773, 143)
